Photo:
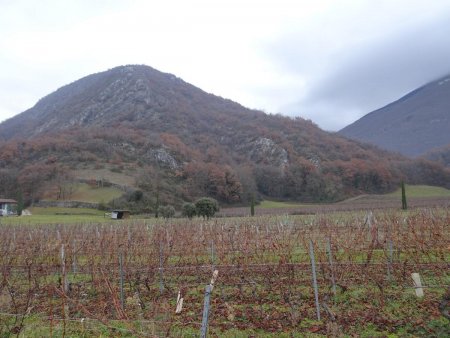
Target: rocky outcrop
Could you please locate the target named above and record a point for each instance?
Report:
(265, 150)
(163, 158)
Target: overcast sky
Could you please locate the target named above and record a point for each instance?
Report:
(328, 61)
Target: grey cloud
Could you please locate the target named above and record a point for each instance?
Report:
(370, 74)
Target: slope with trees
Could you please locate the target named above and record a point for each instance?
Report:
(180, 143)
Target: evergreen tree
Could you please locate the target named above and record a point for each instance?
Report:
(189, 210)
(252, 205)
(206, 207)
(20, 205)
(404, 204)
(167, 211)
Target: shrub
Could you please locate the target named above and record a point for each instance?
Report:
(167, 211)
(136, 195)
(189, 210)
(102, 206)
(206, 207)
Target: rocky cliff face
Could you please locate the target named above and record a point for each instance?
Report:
(265, 150)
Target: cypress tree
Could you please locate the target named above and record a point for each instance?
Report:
(404, 204)
(20, 205)
(252, 206)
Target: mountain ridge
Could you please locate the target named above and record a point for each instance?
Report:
(180, 143)
(412, 125)
(95, 91)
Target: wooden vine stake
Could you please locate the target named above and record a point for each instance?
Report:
(161, 268)
(65, 283)
(313, 268)
(74, 258)
(330, 260)
(212, 256)
(122, 297)
(179, 303)
(417, 284)
(208, 292)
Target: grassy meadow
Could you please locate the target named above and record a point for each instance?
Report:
(57, 215)
(421, 191)
(85, 193)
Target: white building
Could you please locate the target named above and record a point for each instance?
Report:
(8, 207)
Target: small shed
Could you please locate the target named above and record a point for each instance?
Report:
(120, 214)
(8, 207)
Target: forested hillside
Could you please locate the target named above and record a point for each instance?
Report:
(440, 155)
(174, 143)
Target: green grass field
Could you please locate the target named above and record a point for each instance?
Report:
(56, 215)
(412, 191)
(275, 204)
(85, 193)
(107, 174)
(420, 191)
(35, 211)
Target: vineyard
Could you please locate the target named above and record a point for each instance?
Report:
(294, 276)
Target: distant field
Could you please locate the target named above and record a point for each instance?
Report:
(275, 204)
(412, 191)
(65, 211)
(113, 177)
(54, 219)
(418, 196)
(421, 191)
(56, 215)
(85, 193)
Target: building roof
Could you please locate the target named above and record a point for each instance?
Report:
(5, 200)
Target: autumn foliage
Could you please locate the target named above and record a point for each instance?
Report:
(184, 143)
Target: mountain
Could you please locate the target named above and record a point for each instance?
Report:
(134, 96)
(412, 125)
(162, 140)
